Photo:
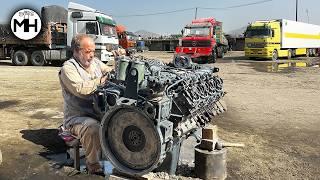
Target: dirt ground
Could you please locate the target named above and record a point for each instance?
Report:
(273, 108)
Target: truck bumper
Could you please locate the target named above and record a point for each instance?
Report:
(258, 52)
(106, 56)
(195, 52)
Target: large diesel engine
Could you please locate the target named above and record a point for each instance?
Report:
(150, 107)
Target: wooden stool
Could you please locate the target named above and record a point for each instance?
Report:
(73, 144)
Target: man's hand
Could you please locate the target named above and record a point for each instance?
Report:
(115, 53)
(104, 79)
(119, 52)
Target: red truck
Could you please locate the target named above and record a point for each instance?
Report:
(203, 40)
(126, 39)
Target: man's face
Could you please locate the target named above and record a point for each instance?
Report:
(86, 52)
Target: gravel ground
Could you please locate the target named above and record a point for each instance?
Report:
(272, 109)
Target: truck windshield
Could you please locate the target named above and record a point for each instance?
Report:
(131, 36)
(258, 32)
(108, 30)
(196, 31)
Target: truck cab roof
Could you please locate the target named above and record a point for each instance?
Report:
(80, 7)
(198, 25)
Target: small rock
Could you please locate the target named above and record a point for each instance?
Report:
(70, 171)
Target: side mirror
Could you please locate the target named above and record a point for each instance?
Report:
(91, 28)
(182, 31)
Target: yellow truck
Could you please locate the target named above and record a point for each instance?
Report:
(281, 38)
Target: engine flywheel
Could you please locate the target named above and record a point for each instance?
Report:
(130, 140)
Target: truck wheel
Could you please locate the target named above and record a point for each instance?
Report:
(20, 58)
(37, 58)
(274, 55)
(289, 53)
(213, 57)
(317, 52)
(308, 53)
(313, 52)
(222, 54)
(218, 52)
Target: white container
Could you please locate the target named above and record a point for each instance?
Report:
(299, 35)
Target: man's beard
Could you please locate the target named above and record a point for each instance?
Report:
(84, 63)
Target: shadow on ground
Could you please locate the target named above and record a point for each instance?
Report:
(5, 63)
(234, 58)
(48, 138)
(7, 104)
(185, 170)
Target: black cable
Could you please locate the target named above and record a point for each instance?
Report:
(187, 9)
(237, 6)
(151, 14)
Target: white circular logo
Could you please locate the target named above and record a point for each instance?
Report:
(25, 24)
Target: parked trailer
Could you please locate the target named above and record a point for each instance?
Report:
(281, 38)
(52, 45)
(49, 45)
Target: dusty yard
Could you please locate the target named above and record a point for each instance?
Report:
(272, 108)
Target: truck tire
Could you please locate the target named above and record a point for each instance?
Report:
(317, 52)
(313, 52)
(37, 58)
(308, 53)
(213, 57)
(220, 52)
(20, 58)
(275, 55)
(290, 53)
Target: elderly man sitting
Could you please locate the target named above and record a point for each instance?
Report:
(79, 78)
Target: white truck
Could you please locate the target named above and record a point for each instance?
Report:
(52, 45)
(281, 38)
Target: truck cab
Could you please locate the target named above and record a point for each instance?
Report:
(262, 38)
(199, 40)
(101, 27)
(127, 39)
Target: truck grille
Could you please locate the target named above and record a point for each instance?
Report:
(202, 43)
(256, 45)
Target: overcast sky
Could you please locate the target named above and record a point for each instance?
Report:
(172, 23)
